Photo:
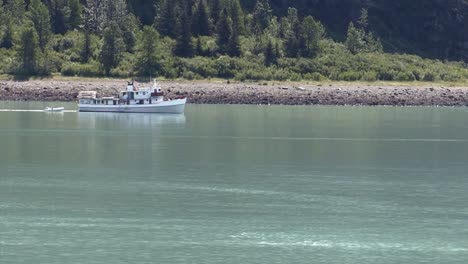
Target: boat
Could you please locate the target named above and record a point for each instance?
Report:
(54, 109)
(132, 100)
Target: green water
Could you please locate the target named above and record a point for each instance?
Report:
(235, 184)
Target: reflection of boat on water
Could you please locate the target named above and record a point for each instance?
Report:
(133, 120)
(132, 100)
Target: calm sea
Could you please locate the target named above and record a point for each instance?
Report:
(234, 184)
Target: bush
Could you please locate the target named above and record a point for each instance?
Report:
(405, 77)
(84, 70)
(7, 59)
(226, 67)
(314, 76)
(350, 76)
(201, 66)
(431, 77)
(189, 75)
(386, 75)
(369, 76)
(451, 77)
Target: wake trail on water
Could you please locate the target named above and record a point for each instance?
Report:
(293, 241)
(36, 111)
(324, 139)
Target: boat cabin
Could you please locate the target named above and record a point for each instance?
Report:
(131, 96)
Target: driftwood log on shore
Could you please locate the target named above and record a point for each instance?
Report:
(199, 92)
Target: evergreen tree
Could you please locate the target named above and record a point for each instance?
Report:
(144, 10)
(372, 44)
(215, 10)
(273, 29)
(359, 40)
(59, 12)
(184, 47)
(224, 32)
(128, 28)
(86, 52)
(312, 33)
(95, 15)
(199, 49)
(234, 48)
(166, 19)
(115, 12)
(270, 54)
(148, 62)
(17, 9)
(112, 48)
(363, 20)
(201, 20)
(75, 18)
(40, 17)
(293, 31)
(354, 40)
(237, 16)
(28, 52)
(7, 39)
(277, 50)
(262, 14)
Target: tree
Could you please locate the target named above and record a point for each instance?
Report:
(224, 32)
(273, 29)
(262, 14)
(312, 32)
(201, 20)
(359, 39)
(270, 54)
(86, 52)
(112, 48)
(363, 19)
(215, 10)
(144, 10)
(59, 13)
(40, 17)
(292, 33)
(148, 63)
(237, 16)
(234, 48)
(28, 52)
(166, 19)
(95, 15)
(354, 40)
(115, 12)
(75, 18)
(7, 39)
(184, 47)
(372, 44)
(17, 9)
(199, 49)
(128, 28)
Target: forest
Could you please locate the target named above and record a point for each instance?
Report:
(316, 40)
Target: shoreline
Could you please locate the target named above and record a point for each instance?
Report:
(273, 93)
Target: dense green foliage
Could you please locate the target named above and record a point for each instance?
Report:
(242, 39)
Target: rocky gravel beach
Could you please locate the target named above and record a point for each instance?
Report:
(211, 92)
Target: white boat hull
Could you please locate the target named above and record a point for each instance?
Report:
(56, 109)
(168, 107)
